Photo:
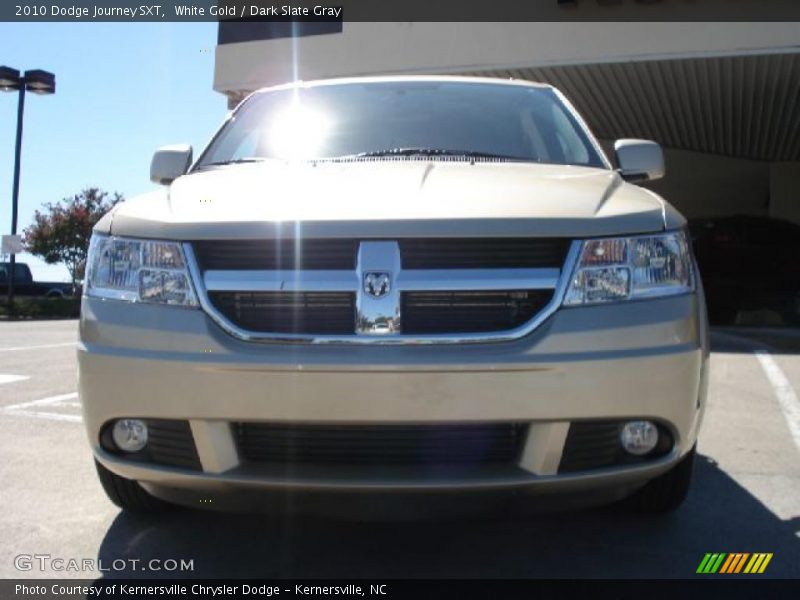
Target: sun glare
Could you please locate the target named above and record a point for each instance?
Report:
(298, 132)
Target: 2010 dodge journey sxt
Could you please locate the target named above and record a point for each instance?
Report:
(395, 285)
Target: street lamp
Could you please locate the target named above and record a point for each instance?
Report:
(38, 82)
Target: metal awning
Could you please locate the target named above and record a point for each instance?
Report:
(738, 106)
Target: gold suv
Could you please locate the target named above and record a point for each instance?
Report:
(398, 285)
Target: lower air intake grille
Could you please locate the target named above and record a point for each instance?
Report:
(380, 444)
(596, 445)
(289, 312)
(469, 312)
(170, 442)
(590, 445)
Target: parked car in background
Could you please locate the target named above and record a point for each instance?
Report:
(748, 263)
(25, 286)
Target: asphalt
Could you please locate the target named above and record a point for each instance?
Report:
(745, 496)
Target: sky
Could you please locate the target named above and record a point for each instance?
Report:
(122, 90)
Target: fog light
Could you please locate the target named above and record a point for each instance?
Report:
(639, 437)
(129, 435)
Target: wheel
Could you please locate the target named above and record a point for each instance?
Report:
(126, 493)
(666, 492)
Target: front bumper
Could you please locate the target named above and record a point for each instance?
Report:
(642, 359)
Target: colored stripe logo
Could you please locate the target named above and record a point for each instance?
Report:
(733, 563)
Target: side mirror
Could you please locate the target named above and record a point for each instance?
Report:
(639, 160)
(169, 163)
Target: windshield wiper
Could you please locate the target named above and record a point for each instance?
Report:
(234, 161)
(421, 151)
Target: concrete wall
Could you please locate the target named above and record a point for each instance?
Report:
(374, 48)
(706, 185)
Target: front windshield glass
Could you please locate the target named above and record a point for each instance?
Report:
(425, 118)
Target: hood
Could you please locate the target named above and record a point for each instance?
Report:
(390, 199)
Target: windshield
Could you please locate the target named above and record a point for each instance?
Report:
(430, 119)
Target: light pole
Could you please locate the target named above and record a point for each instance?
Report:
(38, 82)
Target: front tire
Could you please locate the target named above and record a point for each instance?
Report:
(126, 493)
(666, 492)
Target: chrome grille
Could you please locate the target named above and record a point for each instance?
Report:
(382, 291)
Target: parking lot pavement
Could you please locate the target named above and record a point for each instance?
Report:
(746, 495)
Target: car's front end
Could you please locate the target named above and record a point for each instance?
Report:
(392, 326)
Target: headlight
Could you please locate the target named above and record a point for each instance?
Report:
(138, 271)
(615, 269)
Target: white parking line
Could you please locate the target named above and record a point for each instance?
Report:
(30, 408)
(787, 397)
(12, 378)
(49, 401)
(45, 415)
(17, 348)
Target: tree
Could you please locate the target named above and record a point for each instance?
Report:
(61, 232)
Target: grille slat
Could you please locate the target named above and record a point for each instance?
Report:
(283, 254)
(421, 312)
(447, 312)
(596, 445)
(379, 444)
(422, 253)
(590, 445)
(170, 442)
(289, 312)
(478, 253)
(177, 446)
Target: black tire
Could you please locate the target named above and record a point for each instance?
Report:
(126, 493)
(666, 492)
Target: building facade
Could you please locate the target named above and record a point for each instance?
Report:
(723, 98)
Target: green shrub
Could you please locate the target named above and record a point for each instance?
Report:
(42, 308)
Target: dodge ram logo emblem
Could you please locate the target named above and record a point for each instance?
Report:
(377, 284)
